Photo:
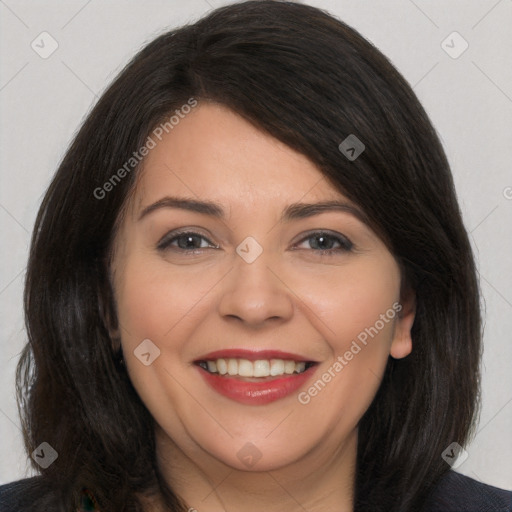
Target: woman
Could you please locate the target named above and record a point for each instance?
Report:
(250, 287)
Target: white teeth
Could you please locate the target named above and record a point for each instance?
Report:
(259, 368)
(300, 367)
(276, 367)
(222, 366)
(232, 367)
(245, 368)
(262, 368)
(289, 367)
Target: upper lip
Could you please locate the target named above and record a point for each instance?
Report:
(252, 355)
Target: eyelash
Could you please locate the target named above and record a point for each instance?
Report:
(345, 245)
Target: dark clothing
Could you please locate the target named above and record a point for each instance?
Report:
(454, 493)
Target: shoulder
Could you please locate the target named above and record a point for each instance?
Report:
(22, 494)
(459, 493)
(34, 495)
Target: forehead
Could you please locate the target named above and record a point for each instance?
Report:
(215, 153)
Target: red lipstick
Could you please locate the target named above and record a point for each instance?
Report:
(257, 390)
(252, 355)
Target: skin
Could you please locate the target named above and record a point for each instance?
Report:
(292, 297)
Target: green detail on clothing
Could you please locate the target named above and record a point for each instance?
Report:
(88, 503)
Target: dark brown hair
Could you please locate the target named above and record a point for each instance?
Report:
(309, 80)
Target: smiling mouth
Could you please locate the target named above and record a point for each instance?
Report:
(259, 370)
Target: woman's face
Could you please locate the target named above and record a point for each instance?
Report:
(223, 255)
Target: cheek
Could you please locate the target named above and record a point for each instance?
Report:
(357, 320)
(349, 301)
(156, 303)
(152, 299)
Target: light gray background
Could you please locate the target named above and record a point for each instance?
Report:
(468, 98)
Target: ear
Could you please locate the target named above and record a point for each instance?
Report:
(401, 345)
(108, 316)
(113, 332)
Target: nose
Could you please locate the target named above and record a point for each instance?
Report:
(255, 295)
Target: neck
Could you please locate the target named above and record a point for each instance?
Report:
(323, 480)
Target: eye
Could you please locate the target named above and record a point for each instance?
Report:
(185, 241)
(322, 242)
(325, 242)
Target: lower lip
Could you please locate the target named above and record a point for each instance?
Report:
(256, 393)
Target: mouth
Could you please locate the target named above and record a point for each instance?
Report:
(254, 370)
(254, 378)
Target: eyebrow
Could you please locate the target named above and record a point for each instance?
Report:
(291, 212)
